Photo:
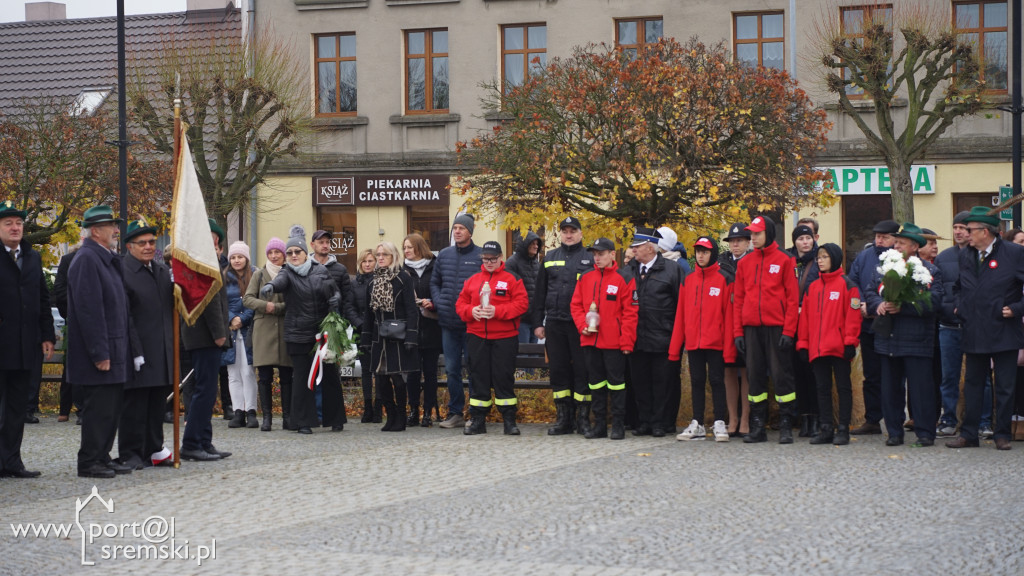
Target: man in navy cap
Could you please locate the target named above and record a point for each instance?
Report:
(552, 318)
(25, 309)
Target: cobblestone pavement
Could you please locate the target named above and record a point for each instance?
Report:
(432, 501)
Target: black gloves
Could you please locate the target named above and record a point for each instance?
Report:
(786, 342)
(410, 346)
(333, 302)
(741, 346)
(849, 352)
(804, 356)
(266, 291)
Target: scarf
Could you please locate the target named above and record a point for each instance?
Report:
(272, 270)
(418, 265)
(302, 270)
(382, 295)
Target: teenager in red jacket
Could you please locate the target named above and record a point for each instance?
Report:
(492, 338)
(829, 335)
(765, 309)
(608, 291)
(703, 321)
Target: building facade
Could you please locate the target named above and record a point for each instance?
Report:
(394, 84)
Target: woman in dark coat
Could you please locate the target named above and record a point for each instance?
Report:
(361, 289)
(419, 263)
(309, 294)
(392, 298)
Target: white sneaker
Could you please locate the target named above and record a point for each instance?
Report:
(721, 434)
(693, 432)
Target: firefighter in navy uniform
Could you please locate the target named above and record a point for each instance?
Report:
(553, 320)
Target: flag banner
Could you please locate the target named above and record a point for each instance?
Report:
(194, 261)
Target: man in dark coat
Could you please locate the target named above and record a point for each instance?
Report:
(525, 263)
(25, 321)
(99, 359)
(68, 395)
(321, 245)
(147, 282)
(989, 304)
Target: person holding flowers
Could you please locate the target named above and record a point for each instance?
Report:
(906, 295)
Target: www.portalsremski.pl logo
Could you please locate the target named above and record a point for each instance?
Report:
(150, 539)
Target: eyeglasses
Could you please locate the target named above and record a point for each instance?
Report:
(145, 242)
(969, 229)
(490, 260)
(294, 252)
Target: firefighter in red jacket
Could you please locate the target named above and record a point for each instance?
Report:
(703, 322)
(603, 312)
(765, 308)
(828, 337)
(490, 304)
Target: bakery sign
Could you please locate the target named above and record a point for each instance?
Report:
(381, 190)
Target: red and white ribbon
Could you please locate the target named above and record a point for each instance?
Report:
(316, 372)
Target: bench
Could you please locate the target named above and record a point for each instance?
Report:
(57, 360)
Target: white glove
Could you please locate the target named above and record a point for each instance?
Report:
(139, 361)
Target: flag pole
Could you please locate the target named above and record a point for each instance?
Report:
(177, 318)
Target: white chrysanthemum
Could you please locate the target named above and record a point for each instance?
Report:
(922, 275)
(891, 255)
(914, 262)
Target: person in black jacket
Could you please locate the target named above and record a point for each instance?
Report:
(69, 395)
(419, 263)
(989, 303)
(309, 294)
(552, 320)
(804, 250)
(950, 349)
(737, 386)
(657, 297)
(525, 263)
(360, 289)
(26, 321)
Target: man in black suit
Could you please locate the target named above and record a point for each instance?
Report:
(25, 321)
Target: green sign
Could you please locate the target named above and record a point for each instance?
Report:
(1005, 193)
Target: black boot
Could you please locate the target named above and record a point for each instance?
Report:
(582, 417)
(808, 427)
(599, 406)
(392, 415)
(618, 429)
(478, 422)
(238, 420)
(414, 416)
(562, 423)
(367, 411)
(842, 437)
(250, 419)
(824, 435)
(378, 407)
(266, 392)
(508, 418)
(400, 397)
(617, 401)
(785, 430)
(758, 412)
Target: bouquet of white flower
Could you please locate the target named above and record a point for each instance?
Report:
(341, 340)
(904, 281)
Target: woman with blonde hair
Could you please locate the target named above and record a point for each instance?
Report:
(391, 327)
(419, 263)
(360, 288)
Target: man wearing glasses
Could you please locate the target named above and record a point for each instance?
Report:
(990, 306)
(147, 283)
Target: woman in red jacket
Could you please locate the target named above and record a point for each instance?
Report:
(703, 318)
(490, 304)
(829, 333)
(607, 290)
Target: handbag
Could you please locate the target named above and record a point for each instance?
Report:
(393, 329)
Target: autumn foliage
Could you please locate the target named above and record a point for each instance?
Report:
(680, 134)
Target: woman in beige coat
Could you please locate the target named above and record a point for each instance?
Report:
(268, 348)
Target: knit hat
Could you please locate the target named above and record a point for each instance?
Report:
(239, 248)
(466, 220)
(960, 217)
(275, 243)
(297, 238)
(802, 230)
(668, 239)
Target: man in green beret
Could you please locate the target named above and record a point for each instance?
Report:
(990, 306)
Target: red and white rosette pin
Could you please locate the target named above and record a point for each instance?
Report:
(316, 372)
(993, 264)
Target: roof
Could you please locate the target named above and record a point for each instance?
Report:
(61, 58)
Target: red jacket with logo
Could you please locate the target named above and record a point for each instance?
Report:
(765, 292)
(704, 314)
(612, 290)
(508, 296)
(830, 318)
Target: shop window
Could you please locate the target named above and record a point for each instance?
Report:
(758, 39)
(426, 71)
(336, 74)
(860, 214)
(341, 222)
(431, 222)
(983, 25)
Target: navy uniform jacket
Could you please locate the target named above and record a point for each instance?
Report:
(25, 318)
(97, 318)
(151, 307)
(982, 290)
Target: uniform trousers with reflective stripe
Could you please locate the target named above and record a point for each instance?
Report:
(606, 371)
(764, 357)
(493, 366)
(566, 361)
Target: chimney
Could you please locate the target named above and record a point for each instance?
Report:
(36, 11)
(191, 5)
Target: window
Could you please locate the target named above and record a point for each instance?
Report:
(431, 222)
(521, 44)
(758, 39)
(852, 20)
(336, 74)
(426, 71)
(983, 24)
(633, 33)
